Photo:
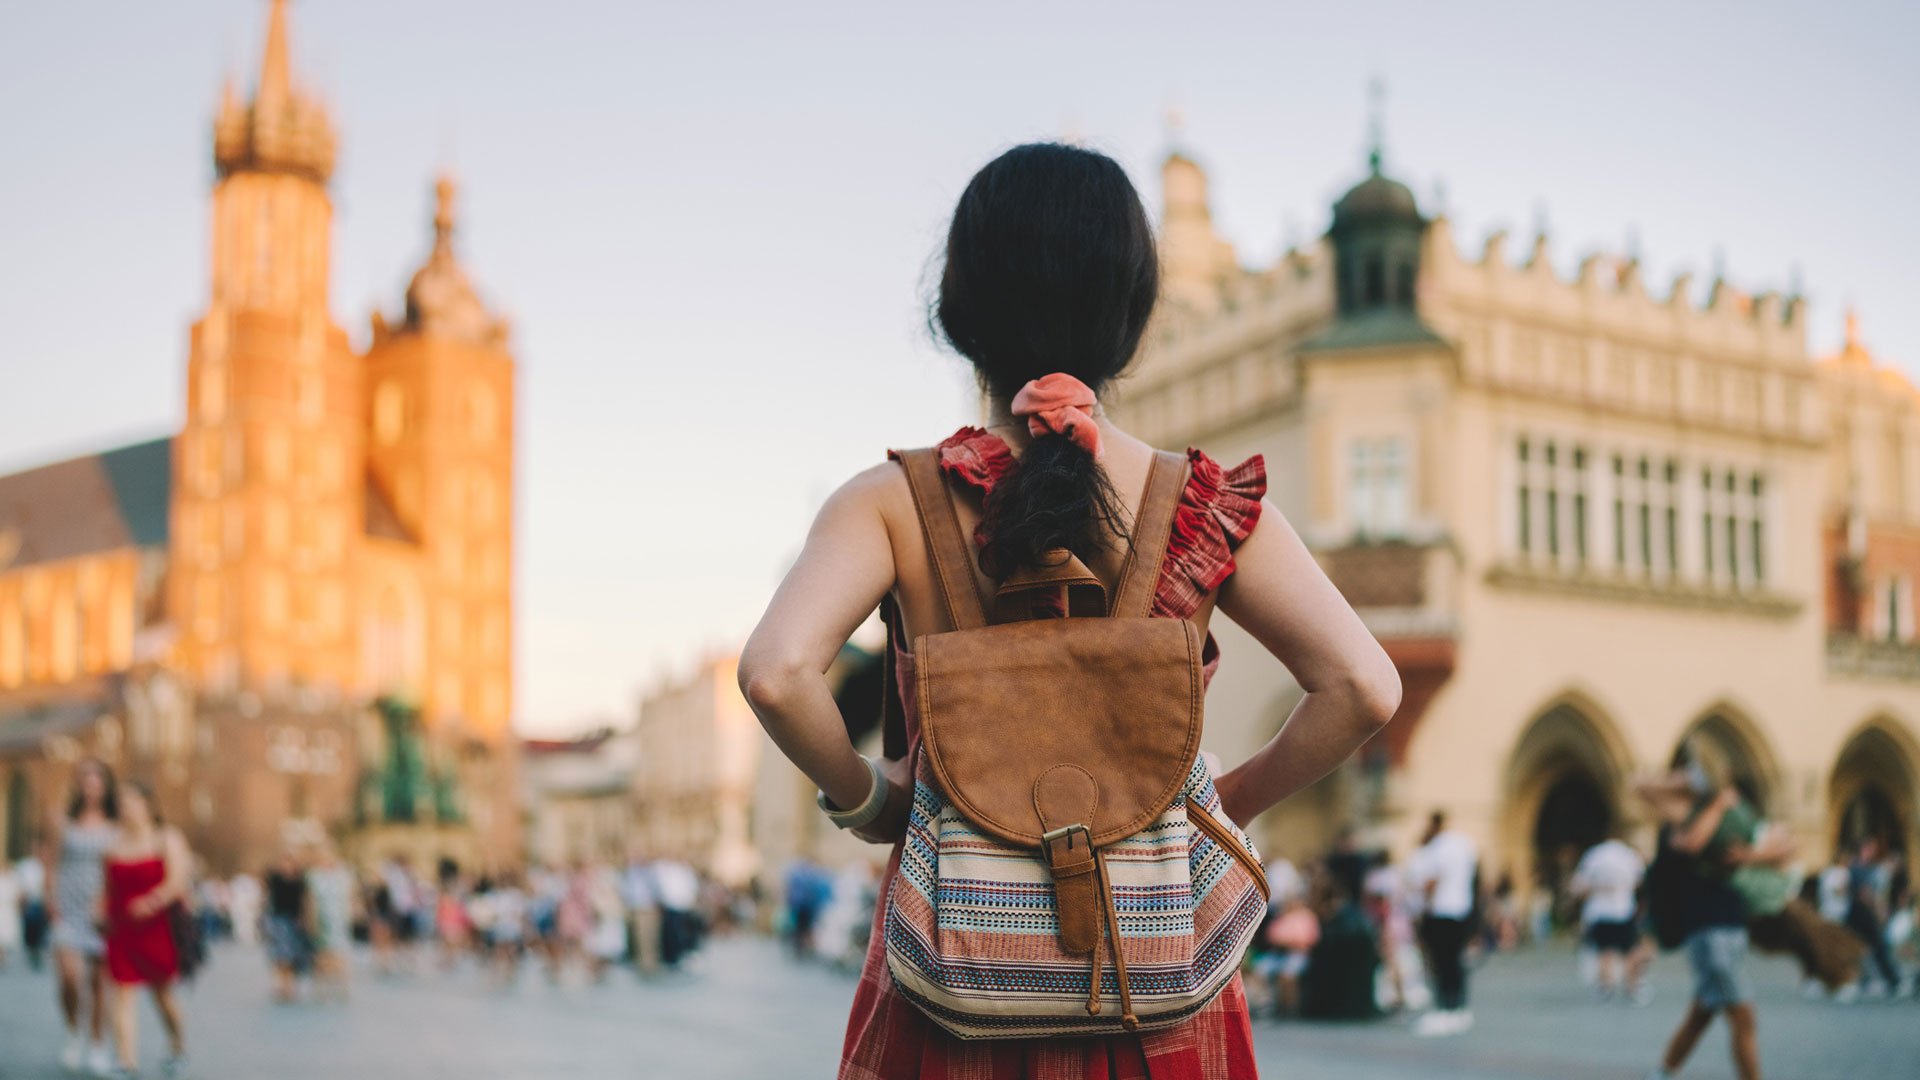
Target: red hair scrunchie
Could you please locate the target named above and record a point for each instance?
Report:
(1058, 404)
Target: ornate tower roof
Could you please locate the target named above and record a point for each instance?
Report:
(282, 129)
(1378, 198)
(1377, 235)
(441, 299)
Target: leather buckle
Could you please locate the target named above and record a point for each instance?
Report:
(1066, 831)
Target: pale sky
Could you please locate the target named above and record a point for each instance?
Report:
(712, 224)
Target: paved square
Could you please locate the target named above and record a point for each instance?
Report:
(749, 1012)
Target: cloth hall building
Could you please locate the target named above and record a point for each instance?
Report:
(1589, 520)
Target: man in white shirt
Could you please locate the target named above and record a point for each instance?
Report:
(1443, 872)
(1608, 878)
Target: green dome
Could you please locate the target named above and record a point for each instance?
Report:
(1376, 198)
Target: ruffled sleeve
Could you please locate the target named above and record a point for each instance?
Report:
(1218, 510)
(975, 457)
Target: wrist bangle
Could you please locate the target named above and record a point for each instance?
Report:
(862, 815)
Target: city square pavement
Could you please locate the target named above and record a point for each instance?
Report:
(745, 1010)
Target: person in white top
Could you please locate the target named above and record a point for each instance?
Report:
(12, 910)
(1443, 872)
(1608, 879)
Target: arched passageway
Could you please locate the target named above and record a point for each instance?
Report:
(1565, 780)
(1874, 789)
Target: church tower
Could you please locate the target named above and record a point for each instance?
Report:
(268, 476)
(1196, 262)
(440, 423)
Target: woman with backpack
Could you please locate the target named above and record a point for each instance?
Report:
(1043, 771)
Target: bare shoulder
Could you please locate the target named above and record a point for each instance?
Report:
(880, 489)
(883, 481)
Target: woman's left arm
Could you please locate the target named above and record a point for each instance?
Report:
(179, 869)
(842, 574)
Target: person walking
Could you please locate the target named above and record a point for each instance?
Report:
(75, 854)
(678, 888)
(243, 908)
(330, 893)
(1868, 881)
(13, 911)
(643, 902)
(1444, 872)
(1050, 279)
(34, 922)
(506, 929)
(453, 927)
(147, 873)
(289, 949)
(1707, 837)
(606, 940)
(1607, 882)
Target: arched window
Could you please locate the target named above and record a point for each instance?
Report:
(389, 413)
(1376, 283)
(13, 644)
(64, 624)
(482, 413)
(309, 395)
(213, 393)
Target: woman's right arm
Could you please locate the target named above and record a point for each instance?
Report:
(1279, 594)
(841, 575)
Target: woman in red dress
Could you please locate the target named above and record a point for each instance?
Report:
(1051, 276)
(146, 874)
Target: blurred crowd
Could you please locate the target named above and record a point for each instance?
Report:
(111, 896)
(309, 909)
(1355, 934)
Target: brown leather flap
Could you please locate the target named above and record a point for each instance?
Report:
(1086, 595)
(1119, 698)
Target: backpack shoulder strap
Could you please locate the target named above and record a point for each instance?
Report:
(1152, 527)
(947, 546)
(893, 711)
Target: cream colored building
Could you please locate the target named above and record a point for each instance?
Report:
(1586, 520)
(577, 795)
(693, 788)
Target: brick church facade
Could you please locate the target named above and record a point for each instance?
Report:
(294, 617)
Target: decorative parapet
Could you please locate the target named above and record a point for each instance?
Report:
(1608, 296)
(1851, 656)
(1737, 364)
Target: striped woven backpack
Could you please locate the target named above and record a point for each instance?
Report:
(1067, 868)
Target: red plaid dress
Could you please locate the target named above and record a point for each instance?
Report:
(887, 1037)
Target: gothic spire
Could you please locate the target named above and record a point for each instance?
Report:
(280, 130)
(276, 82)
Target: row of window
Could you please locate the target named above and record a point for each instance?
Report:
(1639, 513)
(60, 649)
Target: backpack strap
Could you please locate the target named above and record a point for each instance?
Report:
(893, 711)
(1152, 528)
(947, 546)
